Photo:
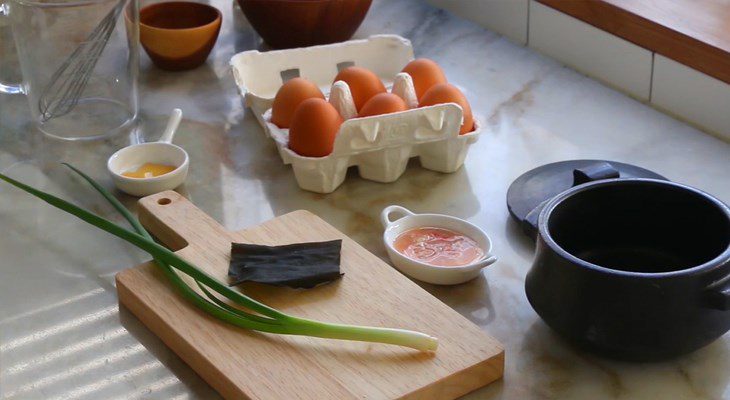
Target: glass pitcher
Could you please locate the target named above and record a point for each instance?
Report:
(79, 61)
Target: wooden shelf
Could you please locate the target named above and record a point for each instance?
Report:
(695, 33)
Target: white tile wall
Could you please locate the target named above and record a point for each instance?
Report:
(691, 95)
(675, 88)
(506, 17)
(590, 50)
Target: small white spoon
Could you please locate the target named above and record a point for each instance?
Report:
(161, 152)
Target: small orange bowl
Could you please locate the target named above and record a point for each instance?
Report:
(179, 35)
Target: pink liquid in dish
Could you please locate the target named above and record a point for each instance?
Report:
(438, 246)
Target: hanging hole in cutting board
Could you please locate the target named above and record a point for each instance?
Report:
(164, 201)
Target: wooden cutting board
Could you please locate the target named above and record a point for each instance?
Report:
(241, 364)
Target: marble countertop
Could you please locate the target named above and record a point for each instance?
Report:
(63, 336)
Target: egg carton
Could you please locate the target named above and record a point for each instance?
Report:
(380, 146)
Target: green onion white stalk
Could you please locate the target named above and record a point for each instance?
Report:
(266, 319)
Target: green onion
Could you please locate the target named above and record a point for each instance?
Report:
(184, 289)
(266, 319)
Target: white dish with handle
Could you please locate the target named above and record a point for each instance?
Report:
(160, 152)
(451, 275)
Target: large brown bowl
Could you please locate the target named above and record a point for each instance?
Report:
(299, 23)
(178, 35)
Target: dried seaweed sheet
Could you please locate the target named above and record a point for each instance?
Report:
(299, 265)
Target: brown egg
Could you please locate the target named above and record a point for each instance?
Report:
(445, 93)
(289, 96)
(382, 103)
(425, 73)
(313, 128)
(363, 84)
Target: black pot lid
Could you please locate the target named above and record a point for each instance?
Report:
(528, 193)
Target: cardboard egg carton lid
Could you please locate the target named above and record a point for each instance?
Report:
(259, 75)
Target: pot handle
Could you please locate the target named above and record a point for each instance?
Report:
(590, 173)
(717, 295)
(529, 224)
(388, 211)
(594, 172)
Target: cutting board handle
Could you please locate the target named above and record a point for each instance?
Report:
(178, 223)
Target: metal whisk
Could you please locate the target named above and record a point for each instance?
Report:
(64, 89)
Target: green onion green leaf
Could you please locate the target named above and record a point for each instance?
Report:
(261, 318)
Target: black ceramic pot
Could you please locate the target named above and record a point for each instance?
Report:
(635, 269)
